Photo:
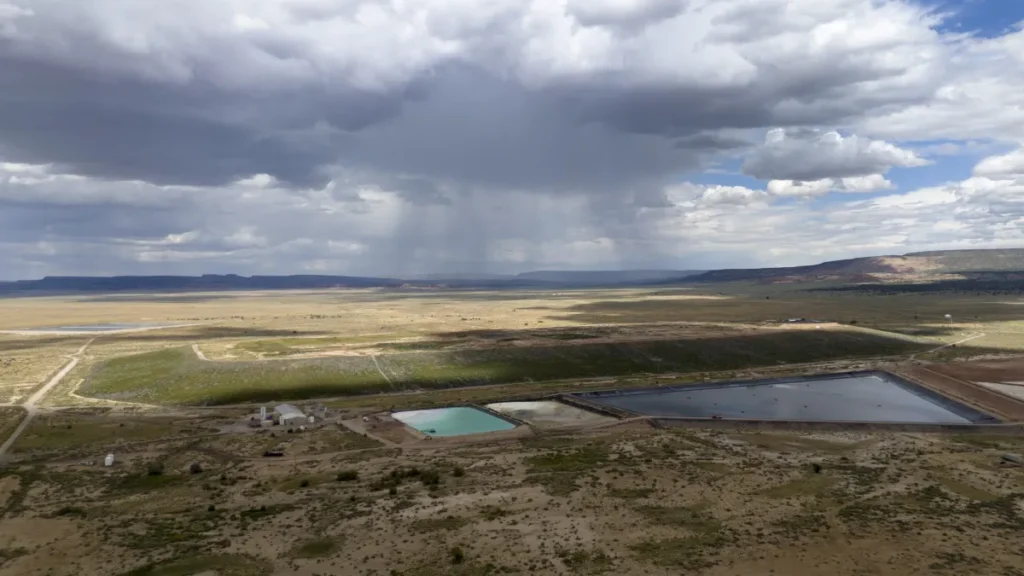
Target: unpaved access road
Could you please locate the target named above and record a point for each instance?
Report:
(30, 403)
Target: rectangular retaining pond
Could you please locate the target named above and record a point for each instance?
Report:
(457, 421)
(849, 397)
(549, 413)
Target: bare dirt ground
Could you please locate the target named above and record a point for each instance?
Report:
(962, 381)
(995, 370)
(373, 499)
(616, 501)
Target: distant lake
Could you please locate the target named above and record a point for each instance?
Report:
(95, 328)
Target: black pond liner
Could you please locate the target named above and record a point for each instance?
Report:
(824, 399)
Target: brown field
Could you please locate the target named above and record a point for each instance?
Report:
(373, 498)
(622, 500)
(381, 341)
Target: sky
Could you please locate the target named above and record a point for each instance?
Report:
(399, 138)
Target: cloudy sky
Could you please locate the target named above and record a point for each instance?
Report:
(398, 137)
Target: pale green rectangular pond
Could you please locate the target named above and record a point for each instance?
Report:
(457, 421)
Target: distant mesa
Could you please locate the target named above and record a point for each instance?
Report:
(988, 267)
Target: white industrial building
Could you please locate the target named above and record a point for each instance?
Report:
(289, 415)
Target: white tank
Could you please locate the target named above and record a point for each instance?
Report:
(109, 460)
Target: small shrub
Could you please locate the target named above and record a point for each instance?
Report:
(458, 472)
(304, 483)
(457, 555)
(195, 468)
(393, 491)
(348, 475)
(155, 468)
(211, 508)
(430, 478)
(816, 467)
(69, 511)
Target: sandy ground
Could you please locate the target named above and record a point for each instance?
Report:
(939, 378)
(1010, 389)
(547, 413)
(618, 501)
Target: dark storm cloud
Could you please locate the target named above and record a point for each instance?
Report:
(126, 128)
(344, 135)
(475, 128)
(199, 114)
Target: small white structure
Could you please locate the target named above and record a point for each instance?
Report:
(312, 419)
(288, 415)
(263, 412)
(109, 460)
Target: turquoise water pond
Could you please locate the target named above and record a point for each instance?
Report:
(456, 421)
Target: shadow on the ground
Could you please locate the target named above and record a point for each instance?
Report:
(912, 315)
(176, 377)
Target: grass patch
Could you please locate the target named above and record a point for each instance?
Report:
(438, 524)
(630, 493)
(692, 518)
(221, 564)
(811, 485)
(8, 554)
(802, 525)
(585, 561)
(559, 471)
(289, 346)
(491, 512)
(175, 376)
(688, 554)
(61, 432)
(580, 459)
(794, 443)
(10, 417)
(317, 548)
(967, 491)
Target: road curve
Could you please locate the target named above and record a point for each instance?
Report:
(30, 404)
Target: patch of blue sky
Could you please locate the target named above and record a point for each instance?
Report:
(982, 18)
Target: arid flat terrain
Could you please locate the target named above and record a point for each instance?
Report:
(192, 490)
(627, 500)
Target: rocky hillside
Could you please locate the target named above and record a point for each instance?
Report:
(972, 264)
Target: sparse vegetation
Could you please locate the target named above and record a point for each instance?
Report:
(622, 500)
(317, 548)
(347, 476)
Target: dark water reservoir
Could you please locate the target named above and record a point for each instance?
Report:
(851, 397)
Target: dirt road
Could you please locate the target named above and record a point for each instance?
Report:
(30, 403)
(199, 353)
(944, 346)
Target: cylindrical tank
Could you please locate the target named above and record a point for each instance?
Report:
(109, 460)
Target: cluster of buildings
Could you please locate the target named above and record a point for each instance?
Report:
(282, 415)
